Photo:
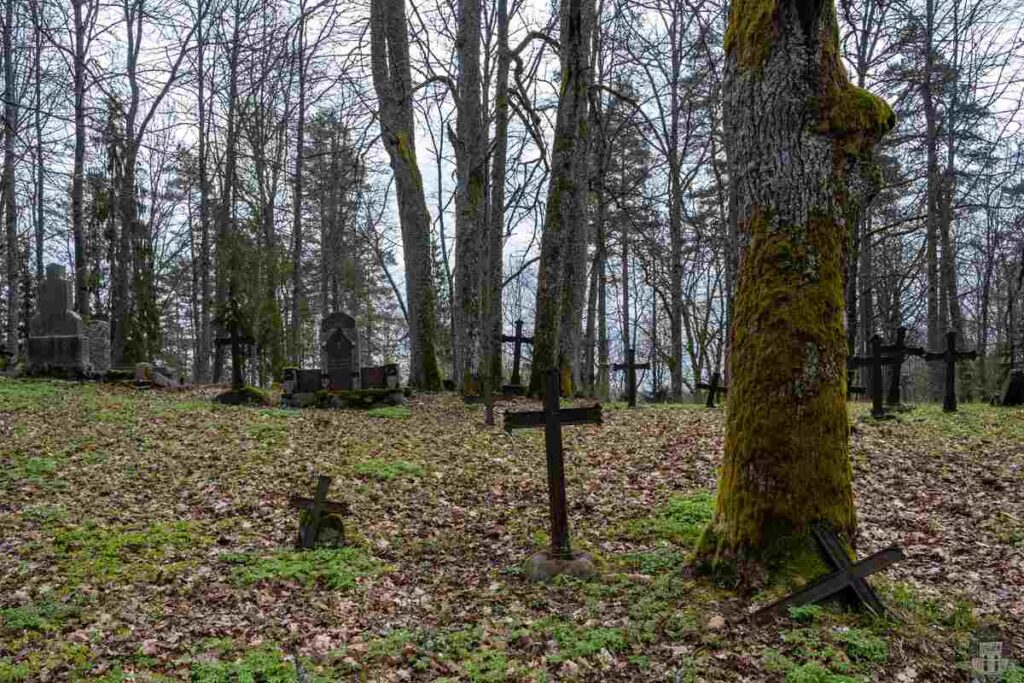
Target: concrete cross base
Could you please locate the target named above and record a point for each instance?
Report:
(542, 567)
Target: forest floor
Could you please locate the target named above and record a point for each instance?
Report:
(145, 535)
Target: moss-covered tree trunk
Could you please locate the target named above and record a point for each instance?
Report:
(565, 217)
(392, 79)
(797, 132)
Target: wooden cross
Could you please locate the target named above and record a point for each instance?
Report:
(898, 353)
(552, 418)
(517, 340)
(714, 389)
(951, 356)
(235, 341)
(847, 579)
(631, 366)
(317, 507)
(875, 362)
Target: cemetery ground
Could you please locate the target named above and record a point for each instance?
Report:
(147, 536)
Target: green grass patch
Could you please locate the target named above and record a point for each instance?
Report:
(266, 664)
(98, 554)
(27, 395)
(336, 569)
(11, 672)
(682, 520)
(386, 470)
(390, 412)
(44, 616)
(576, 642)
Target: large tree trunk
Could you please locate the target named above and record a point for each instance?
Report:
(297, 245)
(78, 170)
(794, 128)
(495, 239)
(936, 328)
(389, 49)
(470, 204)
(675, 215)
(205, 335)
(566, 202)
(10, 209)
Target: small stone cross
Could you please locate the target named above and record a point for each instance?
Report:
(951, 356)
(517, 340)
(630, 367)
(714, 388)
(314, 510)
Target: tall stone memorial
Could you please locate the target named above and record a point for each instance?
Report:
(339, 352)
(57, 337)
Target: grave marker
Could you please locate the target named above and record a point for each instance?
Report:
(517, 340)
(57, 338)
(846, 581)
(898, 352)
(560, 558)
(340, 351)
(235, 341)
(951, 356)
(875, 362)
(714, 388)
(314, 526)
(630, 367)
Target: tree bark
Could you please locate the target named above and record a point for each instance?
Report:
(300, 141)
(9, 206)
(566, 201)
(389, 50)
(78, 170)
(471, 243)
(796, 131)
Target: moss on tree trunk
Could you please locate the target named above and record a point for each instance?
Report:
(799, 139)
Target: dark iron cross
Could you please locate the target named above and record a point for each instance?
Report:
(951, 356)
(517, 340)
(847, 580)
(235, 341)
(898, 353)
(630, 367)
(552, 418)
(714, 388)
(317, 506)
(875, 362)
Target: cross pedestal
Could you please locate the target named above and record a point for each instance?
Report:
(559, 559)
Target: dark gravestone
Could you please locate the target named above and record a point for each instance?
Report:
(373, 377)
(309, 381)
(630, 367)
(236, 340)
(714, 388)
(951, 357)
(340, 351)
(847, 580)
(515, 387)
(1013, 389)
(898, 352)
(559, 559)
(320, 520)
(57, 337)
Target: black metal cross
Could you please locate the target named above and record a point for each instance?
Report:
(847, 579)
(875, 362)
(317, 507)
(517, 340)
(951, 356)
(631, 366)
(552, 418)
(714, 388)
(235, 341)
(898, 353)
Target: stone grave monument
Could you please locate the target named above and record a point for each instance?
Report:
(339, 355)
(57, 338)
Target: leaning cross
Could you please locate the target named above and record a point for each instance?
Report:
(317, 507)
(847, 578)
(714, 388)
(631, 366)
(235, 341)
(951, 356)
(517, 340)
(874, 362)
(898, 352)
(552, 418)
